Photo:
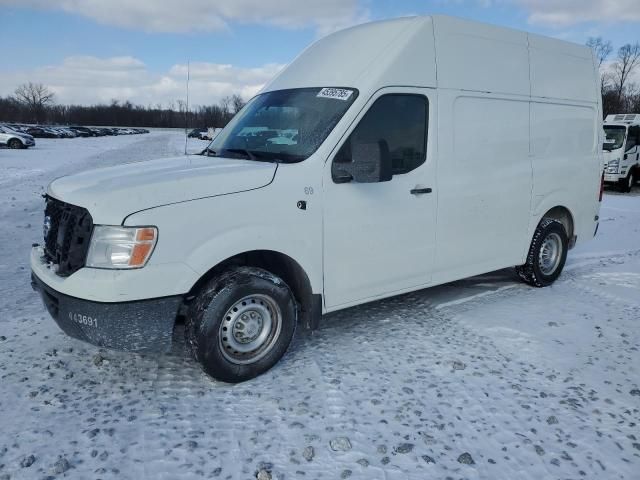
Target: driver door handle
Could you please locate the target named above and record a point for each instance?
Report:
(420, 191)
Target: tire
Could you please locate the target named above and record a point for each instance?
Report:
(626, 184)
(15, 144)
(216, 333)
(547, 254)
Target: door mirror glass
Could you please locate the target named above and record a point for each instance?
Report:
(369, 163)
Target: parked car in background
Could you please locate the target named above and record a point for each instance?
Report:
(622, 150)
(82, 131)
(200, 133)
(99, 131)
(42, 132)
(14, 139)
(73, 131)
(64, 132)
(18, 127)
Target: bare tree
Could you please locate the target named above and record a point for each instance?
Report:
(602, 49)
(626, 63)
(225, 103)
(237, 103)
(36, 97)
(123, 113)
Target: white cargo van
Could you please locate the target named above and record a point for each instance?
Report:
(386, 158)
(622, 150)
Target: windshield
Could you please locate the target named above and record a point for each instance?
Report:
(284, 125)
(614, 137)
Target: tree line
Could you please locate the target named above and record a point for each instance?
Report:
(35, 103)
(620, 94)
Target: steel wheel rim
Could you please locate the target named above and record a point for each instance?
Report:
(14, 144)
(250, 328)
(550, 254)
(630, 181)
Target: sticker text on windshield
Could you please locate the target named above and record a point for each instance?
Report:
(337, 93)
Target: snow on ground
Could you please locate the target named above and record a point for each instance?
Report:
(485, 378)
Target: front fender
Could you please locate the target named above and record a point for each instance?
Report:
(246, 239)
(203, 233)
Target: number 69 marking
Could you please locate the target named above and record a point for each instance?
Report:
(308, 190)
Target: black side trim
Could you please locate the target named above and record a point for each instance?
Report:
(316, 311)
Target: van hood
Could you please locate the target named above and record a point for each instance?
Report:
(110, 194)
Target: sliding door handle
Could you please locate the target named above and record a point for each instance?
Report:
(420, 191)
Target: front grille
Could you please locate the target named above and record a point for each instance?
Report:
(67, 235)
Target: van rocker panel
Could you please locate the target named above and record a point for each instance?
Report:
(137, 326)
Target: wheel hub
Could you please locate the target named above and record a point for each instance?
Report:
(550, 254)
(247, 327)
(250, 328)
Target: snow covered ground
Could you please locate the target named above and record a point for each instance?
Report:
(484, 378)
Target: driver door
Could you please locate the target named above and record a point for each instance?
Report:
(632, 147)
(379, 238)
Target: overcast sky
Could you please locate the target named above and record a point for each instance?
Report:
(91, 51)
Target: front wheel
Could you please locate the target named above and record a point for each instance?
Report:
(15, 144)
(547, 254)
(626, 184)
(241, 323)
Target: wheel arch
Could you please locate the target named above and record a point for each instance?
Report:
(15, 139)
(280, 264)
(563, 215)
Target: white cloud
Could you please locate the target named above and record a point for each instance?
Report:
(208, 15)
(89, 80)
(563, 13)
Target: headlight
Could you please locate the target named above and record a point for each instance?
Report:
(121, 247)
(612, 166)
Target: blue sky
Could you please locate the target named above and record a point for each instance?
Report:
(94, 50)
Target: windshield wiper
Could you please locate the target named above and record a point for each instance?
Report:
(253, 155)
(250, 155)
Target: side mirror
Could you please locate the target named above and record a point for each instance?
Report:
(370, 163)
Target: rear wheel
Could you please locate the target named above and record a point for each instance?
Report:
(241, 323)
(15, 143)
(547, 254)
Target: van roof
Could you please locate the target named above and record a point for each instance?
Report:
(445, 52)
(623, 118)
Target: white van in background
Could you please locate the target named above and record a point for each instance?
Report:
(386, 158)
(622, 150)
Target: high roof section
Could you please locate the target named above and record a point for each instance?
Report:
(448, 53)
(390, 52)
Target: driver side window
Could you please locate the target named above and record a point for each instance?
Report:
(399, 123)
(633, 138)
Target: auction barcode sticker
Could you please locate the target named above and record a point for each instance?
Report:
(337, 93)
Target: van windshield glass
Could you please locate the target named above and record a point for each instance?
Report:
(614, 137)
(283, 125)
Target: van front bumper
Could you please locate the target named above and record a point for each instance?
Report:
(137, 326)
